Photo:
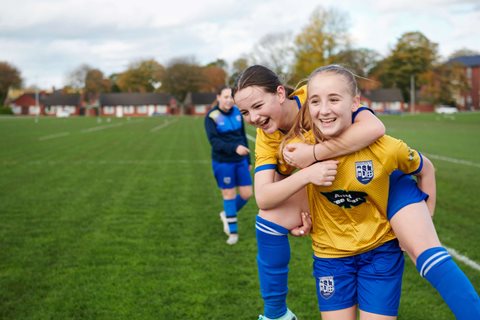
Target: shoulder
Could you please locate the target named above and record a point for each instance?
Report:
(213, 114)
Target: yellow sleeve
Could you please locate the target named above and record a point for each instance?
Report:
(266, 153)
(407, 159)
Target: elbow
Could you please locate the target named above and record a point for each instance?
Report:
(378, 130)
(263, 203)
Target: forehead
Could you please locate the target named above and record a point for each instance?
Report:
(247, 97)
(327, 81)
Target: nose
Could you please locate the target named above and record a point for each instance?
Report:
(254, 116)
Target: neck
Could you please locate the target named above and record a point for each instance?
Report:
(290, 111)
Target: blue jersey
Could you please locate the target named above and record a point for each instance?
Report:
(226, 131)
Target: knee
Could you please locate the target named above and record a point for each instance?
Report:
(246, 193)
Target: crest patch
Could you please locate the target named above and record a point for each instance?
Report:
(364, 171)
(326, 287)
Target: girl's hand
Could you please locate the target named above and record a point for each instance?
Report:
(322, 173)
(298, 154)
(305, 228)
(242, 150)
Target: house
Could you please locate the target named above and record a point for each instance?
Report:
(28, 104)
(384, 100)
(199, 103)
(136, 104)
(470, 100)
(60, 104)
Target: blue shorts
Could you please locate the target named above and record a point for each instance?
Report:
(403, 191)
(373, 280)
(232, 174)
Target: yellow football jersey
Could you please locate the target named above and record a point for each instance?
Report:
(350, 216)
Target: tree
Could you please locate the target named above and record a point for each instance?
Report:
(275, 51)
(9, 78)
(182, 75)
(320, 41)
(237, 67)
(463, 52)
(444, 83)
(95, 83)
(413, 55)
(361, 62)
(76, 78)
(213, 77)
(141, 76)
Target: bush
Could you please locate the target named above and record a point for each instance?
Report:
(6, 110)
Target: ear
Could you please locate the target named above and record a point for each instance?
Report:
(356, 103)
(281, 93)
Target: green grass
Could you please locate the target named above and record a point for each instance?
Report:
(119, 220)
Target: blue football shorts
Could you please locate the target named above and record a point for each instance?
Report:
(232, 174)
(403, 191)
(373, 280)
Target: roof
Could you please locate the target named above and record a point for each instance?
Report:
(200, 98)
(60, 99)
(384, 95)
(29, 99)
(134, 99)
(468, 61)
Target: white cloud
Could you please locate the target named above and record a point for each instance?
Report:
(48, 39)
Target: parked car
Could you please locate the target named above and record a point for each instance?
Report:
(445, 109)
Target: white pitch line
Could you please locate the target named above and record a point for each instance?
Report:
(453, 160)
(472, 264)
(108, 126)
(249, 137)
(163, 125)
(54, 136)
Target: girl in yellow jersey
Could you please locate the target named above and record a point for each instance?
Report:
(357, 260)
(271, 107)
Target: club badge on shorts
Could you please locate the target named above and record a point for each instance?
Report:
(364, 171)
(227, 180)
(326, 287)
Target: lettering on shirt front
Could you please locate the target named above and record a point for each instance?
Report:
(346, 199)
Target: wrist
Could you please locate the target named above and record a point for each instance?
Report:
(314, 153)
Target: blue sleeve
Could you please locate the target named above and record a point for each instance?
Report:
(362, 108)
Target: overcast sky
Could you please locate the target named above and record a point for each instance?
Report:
(47, 39)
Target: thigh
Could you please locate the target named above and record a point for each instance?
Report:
(414, 228)
(336, 283)
(242, 174)
(224, 173)
(380, 279)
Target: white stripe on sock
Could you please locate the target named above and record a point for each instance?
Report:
(267, 230)
(434, 263)
(427, 262)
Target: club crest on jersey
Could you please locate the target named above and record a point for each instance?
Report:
(364, 171)
(326, 286)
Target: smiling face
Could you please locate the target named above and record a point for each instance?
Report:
(260, 108)
(225, 100)
(331, 102)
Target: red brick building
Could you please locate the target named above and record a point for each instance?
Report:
(470, 100)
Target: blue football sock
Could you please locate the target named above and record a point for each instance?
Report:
(437, 266)
(231, 214)
(240, 202)
(272, 259)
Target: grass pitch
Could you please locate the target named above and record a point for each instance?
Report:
(119, 220)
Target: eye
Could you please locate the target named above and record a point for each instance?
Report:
(244, 113)
(314, 102)
(334, 100)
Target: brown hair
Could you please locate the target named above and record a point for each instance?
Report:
(258, 75)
